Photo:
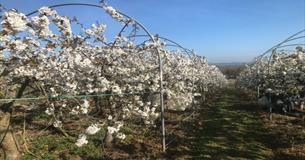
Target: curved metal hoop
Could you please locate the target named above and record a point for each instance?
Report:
(293, 37)
(99, 6)
(284, 44)
(288, 42)
(171, 43)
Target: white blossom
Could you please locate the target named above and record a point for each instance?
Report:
(121, 136)
(19, 45)
(116, 89)
(85, 107)
(114, 14)
(14, 22)
(92, 129)
(57, 124)
(50, 110)
(63, 24)
(47, 11)
(89, 32)
(82, 140)
(112, 130)
(41, 24)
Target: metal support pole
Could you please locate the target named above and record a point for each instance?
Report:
(258, 92)
(258, 88)
(161, 96)
(193, 91)
(162, 104)
(270, 106)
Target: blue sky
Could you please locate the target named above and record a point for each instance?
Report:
(221, 30)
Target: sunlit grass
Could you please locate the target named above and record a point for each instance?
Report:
(231, 133)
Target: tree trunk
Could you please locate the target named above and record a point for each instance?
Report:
(9, 145)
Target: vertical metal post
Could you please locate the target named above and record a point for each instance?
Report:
(258, 88)
(193, 75)
(258, 92)
(161, 98)
(270, 106)
(162, 104)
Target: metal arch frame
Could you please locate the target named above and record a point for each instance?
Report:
(290, 38)
(173, 43)
(280, 45)
(283, 44)
(151, 39)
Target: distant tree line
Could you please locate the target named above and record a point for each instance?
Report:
(231, 71)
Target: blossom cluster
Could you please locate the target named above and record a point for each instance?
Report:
(187, 76)
(113, 13)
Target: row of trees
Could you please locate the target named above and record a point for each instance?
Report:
(280, 75)
(81, 77)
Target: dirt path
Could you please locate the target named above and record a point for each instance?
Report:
(231, 128)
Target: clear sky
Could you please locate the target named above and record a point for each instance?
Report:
(221, 30)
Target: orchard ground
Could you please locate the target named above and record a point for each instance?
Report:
(231, 126)
(235, 127)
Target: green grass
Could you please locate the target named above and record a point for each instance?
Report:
(229, 129)
(56, 146)
(232, 130)
(53, 147)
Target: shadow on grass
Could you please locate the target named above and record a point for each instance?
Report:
(230, 129)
